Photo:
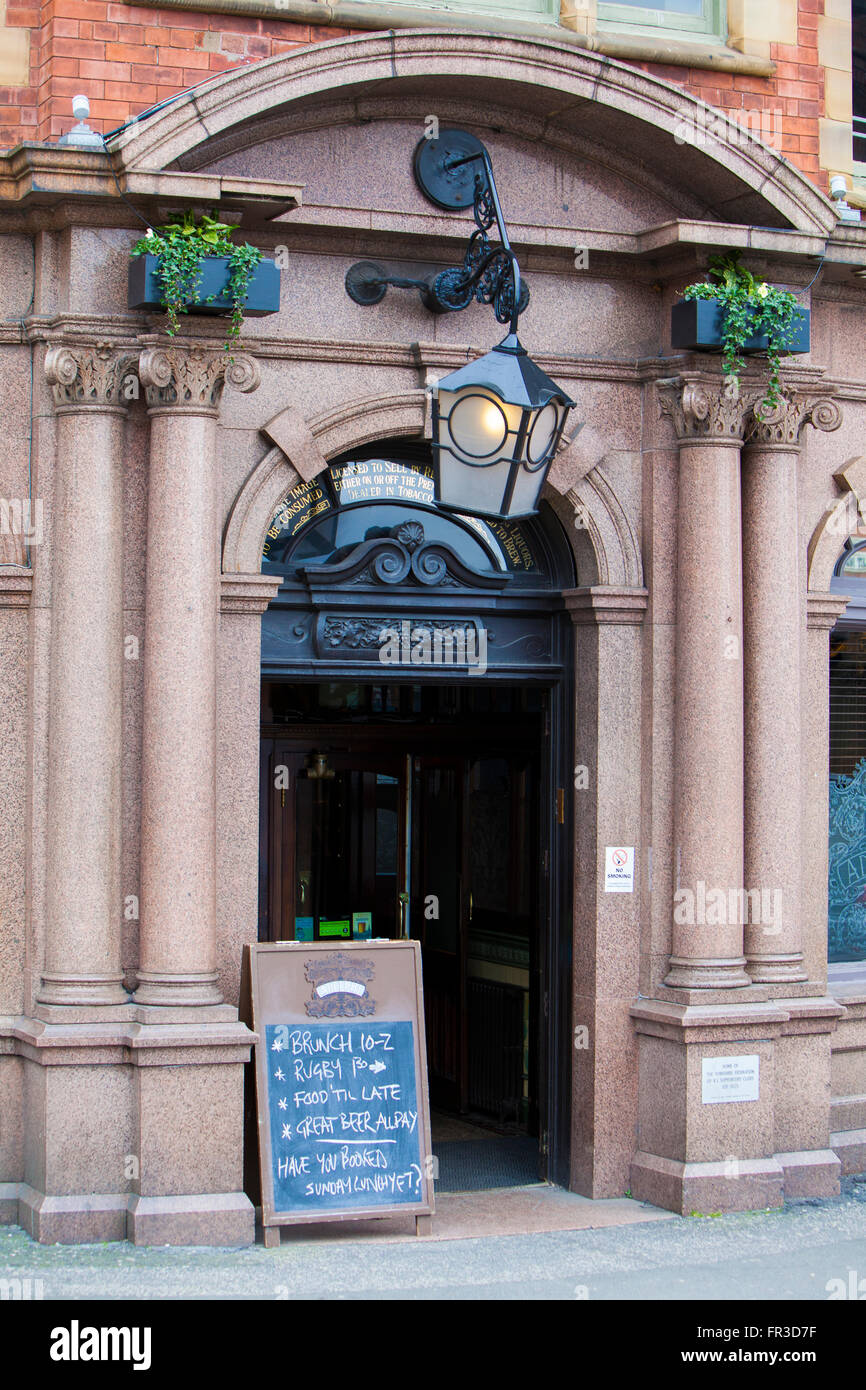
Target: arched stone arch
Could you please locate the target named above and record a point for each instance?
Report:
(599, 531)
(603, 539)
(643, 112)
(844, 518)
(353, 423)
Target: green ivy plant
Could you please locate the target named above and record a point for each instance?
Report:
(750, 307)
(181, 247)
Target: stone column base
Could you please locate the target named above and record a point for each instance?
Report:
(213, 1218)
(696, 1189)
(750, 1184)
(9, 1203)
(849, 1145)
(81, 1219)
(125, 1130)
(811, 1173)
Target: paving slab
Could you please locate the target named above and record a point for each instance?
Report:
(510, 1211)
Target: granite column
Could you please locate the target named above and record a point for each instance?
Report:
(707, 946)
(178, 834)
(82, 964)
(773, 620)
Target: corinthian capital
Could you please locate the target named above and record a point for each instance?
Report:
(702, 412)
(193, 379)
(88, 376)
(782, 424)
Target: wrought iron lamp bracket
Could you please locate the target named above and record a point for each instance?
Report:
(446, 173)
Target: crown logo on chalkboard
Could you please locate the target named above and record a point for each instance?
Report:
(340, 986)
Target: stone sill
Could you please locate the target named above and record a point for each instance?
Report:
(705, 54)
(846, 981)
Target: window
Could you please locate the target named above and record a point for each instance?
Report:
(685, 16)
(847, 849)
(538, 10)
(858, 78)
(369, 497)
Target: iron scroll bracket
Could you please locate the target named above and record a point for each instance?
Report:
(446, 172)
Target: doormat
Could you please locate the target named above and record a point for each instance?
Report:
(471, 1165)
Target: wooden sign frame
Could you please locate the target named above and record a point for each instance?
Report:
(272, 969)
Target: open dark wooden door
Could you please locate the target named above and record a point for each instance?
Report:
(440, 913)
(337, 840)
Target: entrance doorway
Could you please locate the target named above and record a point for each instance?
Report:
(405, 811)
(417, 726)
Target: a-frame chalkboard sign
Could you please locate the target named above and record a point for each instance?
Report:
(342, 1107)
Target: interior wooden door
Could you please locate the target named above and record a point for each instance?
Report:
(503, 969)
(337, 839)
(439, 917)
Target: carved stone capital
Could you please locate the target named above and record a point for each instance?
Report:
(781, 425)
(704, 413)
(88, 377)
(192, 379)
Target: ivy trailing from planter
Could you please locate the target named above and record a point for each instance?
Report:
(751, 308)
(180, 248)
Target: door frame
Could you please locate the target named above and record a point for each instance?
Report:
(555, 878)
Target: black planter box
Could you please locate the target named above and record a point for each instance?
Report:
(696, 325)
(263, 294)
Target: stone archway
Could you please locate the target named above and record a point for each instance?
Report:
(600, 533)
(842, 519)
(547, 80)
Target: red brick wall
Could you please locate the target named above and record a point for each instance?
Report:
(18, 104)
(128, 58)
(796, 91)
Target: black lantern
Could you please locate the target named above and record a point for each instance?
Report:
(497, 423)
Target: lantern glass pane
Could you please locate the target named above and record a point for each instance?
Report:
(527, 490)
(473, 490)
(478, 425)
(541, 434)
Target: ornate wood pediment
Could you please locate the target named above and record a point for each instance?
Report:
(402, 558)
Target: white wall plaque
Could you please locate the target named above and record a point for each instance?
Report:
(619, 869)
(725, 1079)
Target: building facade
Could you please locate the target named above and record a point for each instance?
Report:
(201, 742)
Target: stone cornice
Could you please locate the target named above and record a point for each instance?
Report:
(59, 183)
(123, 331)
(16, 586)
(606, 603)
(824, 610)
(248, 593)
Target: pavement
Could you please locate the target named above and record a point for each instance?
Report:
(535, 1243)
